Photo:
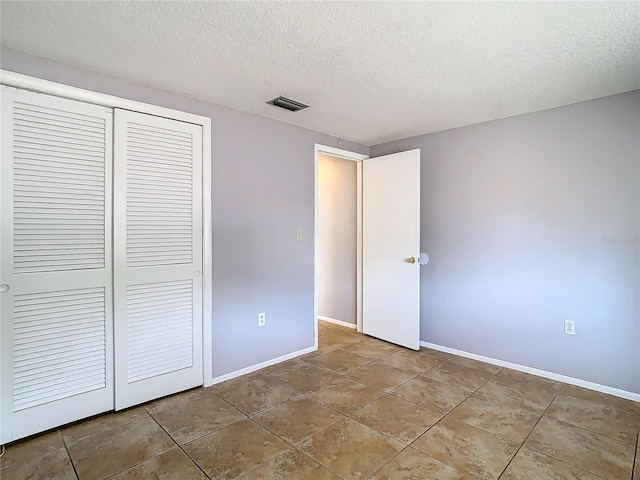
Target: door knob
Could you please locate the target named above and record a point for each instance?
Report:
(411, 260)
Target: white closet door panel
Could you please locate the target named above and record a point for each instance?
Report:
(40, 218)
(158, 252)
(56, 331)
(46, 367)
(160, 328)
(148, 223)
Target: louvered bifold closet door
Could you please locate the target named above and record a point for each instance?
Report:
(56, 335)
(158, 257)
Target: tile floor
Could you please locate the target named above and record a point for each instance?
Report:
(359, 408)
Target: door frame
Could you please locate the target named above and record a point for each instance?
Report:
(39, 85)
(356, 157)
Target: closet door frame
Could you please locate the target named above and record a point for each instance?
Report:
(13, 79)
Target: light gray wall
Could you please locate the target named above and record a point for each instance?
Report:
(263, 190)
(529, 221)
(336, 237)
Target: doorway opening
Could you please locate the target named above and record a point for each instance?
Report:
(338, 237)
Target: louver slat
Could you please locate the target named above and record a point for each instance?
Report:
(160, 338)
(51, 194)
(47, 366)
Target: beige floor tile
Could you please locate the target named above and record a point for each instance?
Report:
(437, 396)
(52, 465)
(381, 376)
(253, 393)
(293, 465)
(268, 373)
(411, 362)
(411, 464)
(515, 376)
(458, 376)
(529, 464)
(339, 340)
(303, 376)
(470, 363)
(102, 423)
(629, 406)
(235, 450)
(521, 378)
(42, 457)
(532, 393)
(297, 419)
(195, 419)
(118, 449)
(508, 421)
(372, 351)
(393, 416)
(322, 348)
(593, 452)
(173, 401)
(263, 375)
(467, 448)
(605, 419)
(377, 342)
(172, 465)
(24, 450)
(335, 448)
(324, 331)
(344, 395)
(437, 354)
(335, 327)
(338, 361)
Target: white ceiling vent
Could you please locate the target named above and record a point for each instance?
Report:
(287, 103)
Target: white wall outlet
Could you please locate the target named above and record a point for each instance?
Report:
(299, 235)
(569, 327)
(262, 319)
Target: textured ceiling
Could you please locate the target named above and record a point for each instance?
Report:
(371, 71)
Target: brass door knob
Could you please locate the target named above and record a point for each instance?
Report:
(411, 260)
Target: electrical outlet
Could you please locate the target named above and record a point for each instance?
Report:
(569, 327)
(299, 235)
(262, 319)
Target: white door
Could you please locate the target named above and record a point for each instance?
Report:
(391, 248)
(56, 338)
(157, 257)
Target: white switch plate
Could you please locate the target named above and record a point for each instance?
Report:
(262, 319)
(299, 235)
(569, 327)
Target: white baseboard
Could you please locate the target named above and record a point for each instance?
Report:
(258, 366)
(337, 322)
(540, 373)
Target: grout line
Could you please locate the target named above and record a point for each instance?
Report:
(448, 413)
(572, 426)
(615, 439)
(441, 361)
(391, 459)
(636, 459)
(73, 465)
(529, 435)
(345, 416)
(179, 446)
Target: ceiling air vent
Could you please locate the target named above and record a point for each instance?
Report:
(287, 103)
